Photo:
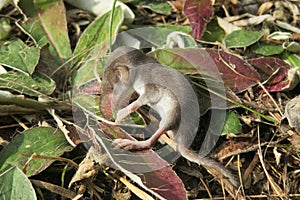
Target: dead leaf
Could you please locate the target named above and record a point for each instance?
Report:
(54, 188)
(293, 8)
(178, 5)
(227, 26)
(295, 140)
(292, 112)
(254, 20)
(86, 169)
(264, 7)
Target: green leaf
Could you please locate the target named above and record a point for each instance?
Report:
(184, 29)
(52, 16)
(27, 8)
(31, 85)
(14, 184)
(292, 59)
(34, 28)
(88, 102)
(18, 104)
(11, 104)
(87, 72)
(17, 55)
(213, 32)
(158, 7)
(242, 38)
(212, 64)
(40, 140)
(293, 47)
(158, 35)
(94, 41)
(267, 49)
(49, 26)
(232, 124)
(4, 29)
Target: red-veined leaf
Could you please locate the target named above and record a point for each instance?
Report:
(277, 75)
(236, 74)
(199, 13)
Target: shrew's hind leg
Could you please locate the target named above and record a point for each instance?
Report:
(138, 145)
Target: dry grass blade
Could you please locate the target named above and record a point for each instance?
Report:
(272, 99)
(274, 185)
(137, 191)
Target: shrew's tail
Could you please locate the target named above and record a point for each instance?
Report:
(208, 162)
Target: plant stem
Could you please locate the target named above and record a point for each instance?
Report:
(238, 104)
(111, 24)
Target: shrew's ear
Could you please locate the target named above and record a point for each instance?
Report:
(123, 72)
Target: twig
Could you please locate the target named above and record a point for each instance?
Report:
(274, 186)
(272, 99)
(140, 193)
(19, 122)
(61, 126)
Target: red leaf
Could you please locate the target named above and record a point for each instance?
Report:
(235, 72)
(276, 74)
(169, 184)
(156, 173)
(199, 13)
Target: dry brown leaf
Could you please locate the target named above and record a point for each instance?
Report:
(55, 189)
(293, 8)
(296, 36)
(227, 26)
(232, 147)
(87, 169)
(264, 7)
(247, 177)
(295, 140)
(292, 112)
(254, 20)
(178, 5)
(234, 2)
(275, 187)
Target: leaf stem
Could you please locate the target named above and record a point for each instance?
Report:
(237, 103)
(111, 24)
